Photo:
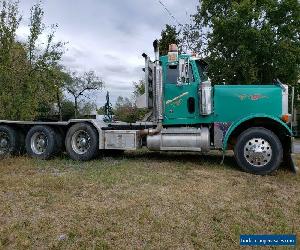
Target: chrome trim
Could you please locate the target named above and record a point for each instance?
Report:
(285, 99)
(258, 152)
(39, 143)
(185, 139)
(205, 98)
(81, 142)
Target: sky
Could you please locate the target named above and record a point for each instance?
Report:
(109, 36)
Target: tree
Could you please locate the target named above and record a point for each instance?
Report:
(138, 88)
(67, 109)
(87, 108)
(169, 35)
(26, 83)
(101, 110)
(123, 102)
(251, 42)
(126, 109)
(193, 37)
(80, 85)
(59, 78)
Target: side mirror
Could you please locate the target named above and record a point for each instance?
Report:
(183, 71)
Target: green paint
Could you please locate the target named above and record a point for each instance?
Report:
(232, 103)
(252, 116)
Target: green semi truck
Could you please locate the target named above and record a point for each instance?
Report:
(187, 114)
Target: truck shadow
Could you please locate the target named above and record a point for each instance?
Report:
(212, 159)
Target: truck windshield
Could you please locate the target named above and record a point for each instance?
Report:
(202, 69)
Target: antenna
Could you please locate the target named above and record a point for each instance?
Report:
(169, 12)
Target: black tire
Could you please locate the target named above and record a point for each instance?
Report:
(267, 144)
(10, 142)
(75, 149)
(38, 133)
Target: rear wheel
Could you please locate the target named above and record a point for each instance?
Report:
(258, 151)
(10, 142)
(82, 142)
(41, 142)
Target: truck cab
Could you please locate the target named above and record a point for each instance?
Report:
(196, 101)
(243, 118)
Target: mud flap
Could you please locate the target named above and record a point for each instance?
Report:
(292, 158)
(293, 163)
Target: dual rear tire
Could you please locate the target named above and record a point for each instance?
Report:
(81, 142)
(43, 142)
(11, 141)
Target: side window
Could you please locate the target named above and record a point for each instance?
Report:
(173, 74)
(191, 74)
(202, 68)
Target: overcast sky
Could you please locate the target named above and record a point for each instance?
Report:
(109, 36)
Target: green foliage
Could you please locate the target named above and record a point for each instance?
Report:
(169, 35)
(101, 110)
(67, 109)
(27, 86)
(125, 110)
(249, 42)
(87, 108)
(139, 88)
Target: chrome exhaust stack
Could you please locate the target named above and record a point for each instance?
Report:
(158, 92)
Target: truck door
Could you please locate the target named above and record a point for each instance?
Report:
(180, 100)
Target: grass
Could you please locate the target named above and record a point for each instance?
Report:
(142, 200)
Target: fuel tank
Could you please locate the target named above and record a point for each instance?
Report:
(180, 139)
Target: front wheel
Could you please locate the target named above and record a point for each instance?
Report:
(258, 151)
(82, 142)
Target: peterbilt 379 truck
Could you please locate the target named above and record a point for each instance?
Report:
(187, 114)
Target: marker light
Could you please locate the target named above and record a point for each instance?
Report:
(286, 118)
(173, 53)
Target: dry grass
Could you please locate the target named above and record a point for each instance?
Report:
(141, 200)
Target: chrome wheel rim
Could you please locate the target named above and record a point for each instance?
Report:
(81, 142)
(4, 143)
(258, 152)
(39, 143)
